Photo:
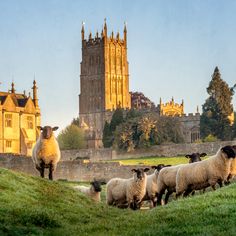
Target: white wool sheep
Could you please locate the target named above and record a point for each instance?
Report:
(151, 187)
(46, 152)
(205, 173)
(167, 181)
(122, 192)
(93, 191)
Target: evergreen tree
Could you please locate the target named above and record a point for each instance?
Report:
(217, 108)
(117, 118)
(107, 136)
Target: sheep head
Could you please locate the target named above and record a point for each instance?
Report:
(229, 151)
(140, 173)
(96, 184)
(47, 131)
(194, 157)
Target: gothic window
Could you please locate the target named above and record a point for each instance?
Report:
(8, 143)
(8, 120)
(30, 124)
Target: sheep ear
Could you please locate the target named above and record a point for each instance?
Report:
(40, 127)
(187, 156)
(203, 154)
(55, 128)
(154, 167)
(146, 169)
(134, 170)
(160, 166)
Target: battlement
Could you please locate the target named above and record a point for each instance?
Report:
(103, 38)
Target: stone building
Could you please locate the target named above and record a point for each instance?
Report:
(190, 123)
(104, 81)
(19, 116)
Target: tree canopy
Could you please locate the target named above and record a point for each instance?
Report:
(216, 109)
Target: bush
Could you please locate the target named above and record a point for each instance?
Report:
(72, 137)
(210, 138)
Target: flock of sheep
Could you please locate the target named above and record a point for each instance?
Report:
(131, 193)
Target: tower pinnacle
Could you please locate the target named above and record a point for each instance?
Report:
(82, 30)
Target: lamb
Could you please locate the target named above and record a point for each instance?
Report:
(200, 175)
(151, 187)
(46, 151)
(167, 178)
(128, 192)
(94, 191)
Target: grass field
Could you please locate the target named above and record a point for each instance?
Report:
(34, 206)
(154, 160)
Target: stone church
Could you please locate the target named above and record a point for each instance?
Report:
(19, 116)
(104, 81)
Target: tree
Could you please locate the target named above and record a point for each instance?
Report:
(217, 108)
(117, 118)
(107, 137)
(72, 137)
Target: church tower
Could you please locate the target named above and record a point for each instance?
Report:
(104, 80)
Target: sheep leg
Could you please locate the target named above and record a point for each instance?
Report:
(51, 170)
(220, 183)
(42, 166)
(159, 197)
(167, 196)
(187, 192)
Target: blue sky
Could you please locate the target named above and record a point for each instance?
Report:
(173, 48)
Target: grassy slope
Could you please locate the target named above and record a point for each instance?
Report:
(33, 206)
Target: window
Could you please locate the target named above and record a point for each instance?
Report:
(8, 120)
(8, 144)
(30, 122)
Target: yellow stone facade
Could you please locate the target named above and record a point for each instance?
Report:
(171, 108)
(19, 116)
(104, 81)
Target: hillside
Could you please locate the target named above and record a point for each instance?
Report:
(34, 206)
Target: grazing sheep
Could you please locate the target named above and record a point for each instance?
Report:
(194, 157)
(94, 191)
(167, 178)
(166, 181)
(46, 152)
(232, 169)
(128, 192)
(151, 187)
(200, 175)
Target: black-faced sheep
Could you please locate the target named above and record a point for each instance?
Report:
(200, 175)
(94, 191)
(167, 178)
(46, 152)
(128, 192)
(232, 169)
(194, 157)
(151, 187)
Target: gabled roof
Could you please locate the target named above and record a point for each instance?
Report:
(19, 100)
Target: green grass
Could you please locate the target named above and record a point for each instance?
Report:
(154, 160)
(34, 206)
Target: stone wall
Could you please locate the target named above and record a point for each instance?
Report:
(70, 170)
(167, 150)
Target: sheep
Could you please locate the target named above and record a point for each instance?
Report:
(167, 178)
(128, 192)
(94, 191)
(194, 157)
(232, 169)
(200, 175)
(151, 187)
(46, 151)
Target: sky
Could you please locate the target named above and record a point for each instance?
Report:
(173, 48)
